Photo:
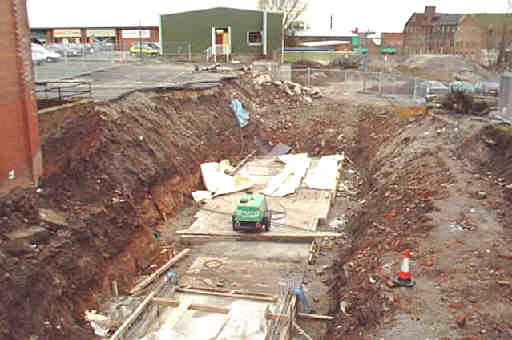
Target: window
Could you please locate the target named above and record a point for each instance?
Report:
(254, 38)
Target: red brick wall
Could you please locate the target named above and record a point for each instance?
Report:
(416, 34)
(392, 39)
(469, 38)
(20, 153)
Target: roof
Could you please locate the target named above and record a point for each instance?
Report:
(492, 19)
(447, 19)
(417, 19)
(223, 8)
(103, 14)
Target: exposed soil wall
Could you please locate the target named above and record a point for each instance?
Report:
(400, 179)
(113, 171)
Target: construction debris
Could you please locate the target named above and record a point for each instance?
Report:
(465, 103)
(304, 93)
(241, 114)
(290, 178)
(159, 272)
(218, 182)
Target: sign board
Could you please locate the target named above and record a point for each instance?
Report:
(67, 33)
(101, 33)
(136, 34)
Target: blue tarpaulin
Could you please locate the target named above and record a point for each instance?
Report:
(241, 114)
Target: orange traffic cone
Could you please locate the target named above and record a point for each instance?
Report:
(404, 279)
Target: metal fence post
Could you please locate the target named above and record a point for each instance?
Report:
(380, 83)
(189, 51)
(309, 77)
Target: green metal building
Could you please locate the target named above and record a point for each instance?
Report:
(223, 32)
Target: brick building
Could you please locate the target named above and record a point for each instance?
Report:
(466, 34)
(391, 42)
(20, 156)
(431, 32)
(484, 33)
(121, 36)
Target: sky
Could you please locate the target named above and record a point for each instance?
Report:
(374, 15)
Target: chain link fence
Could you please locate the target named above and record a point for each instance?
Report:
(65, 61)
(352, 81)
(505, 97)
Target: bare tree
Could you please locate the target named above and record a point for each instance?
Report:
(292, 9)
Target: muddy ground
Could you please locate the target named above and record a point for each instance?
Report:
(436, 187)
(115, 171)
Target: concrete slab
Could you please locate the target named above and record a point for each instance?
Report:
(245, 319)
(245, 275)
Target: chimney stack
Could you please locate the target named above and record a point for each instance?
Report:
(430, 12)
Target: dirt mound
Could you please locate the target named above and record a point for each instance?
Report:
(113, 171)
(445, 68)
(308, 63)
(421, 194)
(491, 150)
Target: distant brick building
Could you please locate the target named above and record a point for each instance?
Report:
(20, 154)
(431, 32)
(466, 34)
(122, 36)
(391, 43)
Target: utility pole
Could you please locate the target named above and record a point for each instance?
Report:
(364, 44)
(140, 39)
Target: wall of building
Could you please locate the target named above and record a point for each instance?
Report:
(125, 37)
(196, 27)
(415, 34)
(20, 155)
(392, 39)
(275, 34)
(469, 37)
(443, 39)
(122, 37)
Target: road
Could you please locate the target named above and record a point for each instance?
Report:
(113, 78)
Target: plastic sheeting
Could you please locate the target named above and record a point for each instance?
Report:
(241, 114)
(324, 175)
(218, 182)
(246, 321)
(202, 196)
(288, 181)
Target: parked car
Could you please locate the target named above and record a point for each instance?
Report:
(49, 56)
(430, 89)
(38, 58)
(150, 49)
(487, 88)
(55, 49)
(66, 50)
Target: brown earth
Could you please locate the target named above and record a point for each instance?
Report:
(437, 189)
(114, 171)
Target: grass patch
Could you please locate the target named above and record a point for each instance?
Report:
(324, 58)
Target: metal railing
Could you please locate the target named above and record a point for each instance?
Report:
(63, 89)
